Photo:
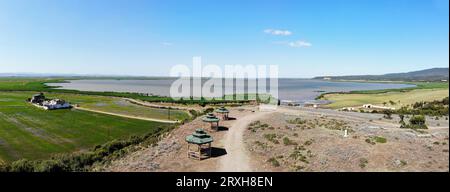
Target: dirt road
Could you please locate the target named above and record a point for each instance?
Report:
(237, 159)
(126, 116)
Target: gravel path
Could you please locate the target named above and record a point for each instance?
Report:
(126, 116)
(237, 159)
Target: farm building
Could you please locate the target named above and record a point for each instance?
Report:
(370, 106)
(39, 100)
(55, 104)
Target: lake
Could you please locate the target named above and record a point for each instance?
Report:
(293, 90)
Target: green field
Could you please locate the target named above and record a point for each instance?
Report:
(29, 132)
(401, 97)
(39, 85)
(119, 106)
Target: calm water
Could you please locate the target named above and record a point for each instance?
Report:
(296, 90)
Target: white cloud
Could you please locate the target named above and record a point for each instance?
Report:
(299, 44)
(278, 32)
(167, 44)
(295, 44)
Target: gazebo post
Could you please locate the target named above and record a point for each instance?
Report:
(199, 152)
(199, 138)
(223, 112)
(210, 151)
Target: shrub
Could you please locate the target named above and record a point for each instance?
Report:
(417, 122)
(287, 141)
(309, 142)
(387, 114)
(380, 139)
(272, 138)
(403, 163)
(363, 162)
(297, 121)
(274, 162)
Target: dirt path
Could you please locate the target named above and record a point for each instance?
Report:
(126, 116)
(160, 106)
(237, 159)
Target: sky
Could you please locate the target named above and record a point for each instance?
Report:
(305, 38)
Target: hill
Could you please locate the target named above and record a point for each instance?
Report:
(434, 74)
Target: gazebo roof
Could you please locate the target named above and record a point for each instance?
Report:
(222, 110)
(199, 137)
(210, 118)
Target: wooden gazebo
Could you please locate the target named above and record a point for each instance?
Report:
(224, 112)
(213, 120)
(202, 142)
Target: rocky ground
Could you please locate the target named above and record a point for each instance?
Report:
(171, 153)
(300, 139)
(304, 140)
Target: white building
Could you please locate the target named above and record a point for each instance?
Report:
(370, 106)
(55, 104)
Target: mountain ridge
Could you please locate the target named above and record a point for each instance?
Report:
(432, 74)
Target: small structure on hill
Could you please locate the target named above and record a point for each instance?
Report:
(40, 101)
(202, 142)
(370, 106)
(213, 120)
(224, 112)
(38, 98)
(55, 104)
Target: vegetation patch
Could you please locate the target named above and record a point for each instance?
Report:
(287, 141)
(78, 162)
(299, 154)
(272, 137)
(32, 133)
(376, 139)
(274, 162)
(363, 163)
(415, 122)
(427, 92)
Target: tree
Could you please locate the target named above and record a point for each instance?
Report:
(418, 121)
(387, 114)
(402, 118)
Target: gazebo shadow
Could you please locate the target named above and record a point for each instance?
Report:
(217, 152)
(231, 118)
(222, 128)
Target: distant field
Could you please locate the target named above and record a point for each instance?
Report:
(399, 97)
(32, 133)
(120, 106)
(38, 84)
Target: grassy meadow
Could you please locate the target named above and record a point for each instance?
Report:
(39, 85)
(119, 106)
(29, 132)
(400, 97)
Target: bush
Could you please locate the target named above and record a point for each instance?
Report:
(274, 162)
(363, 162)
(22, 165)
(272, 138)
(417, 122)
(387, 114)
(380, 139)
(287, 141)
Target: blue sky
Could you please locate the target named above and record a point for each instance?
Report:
(305, 38)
